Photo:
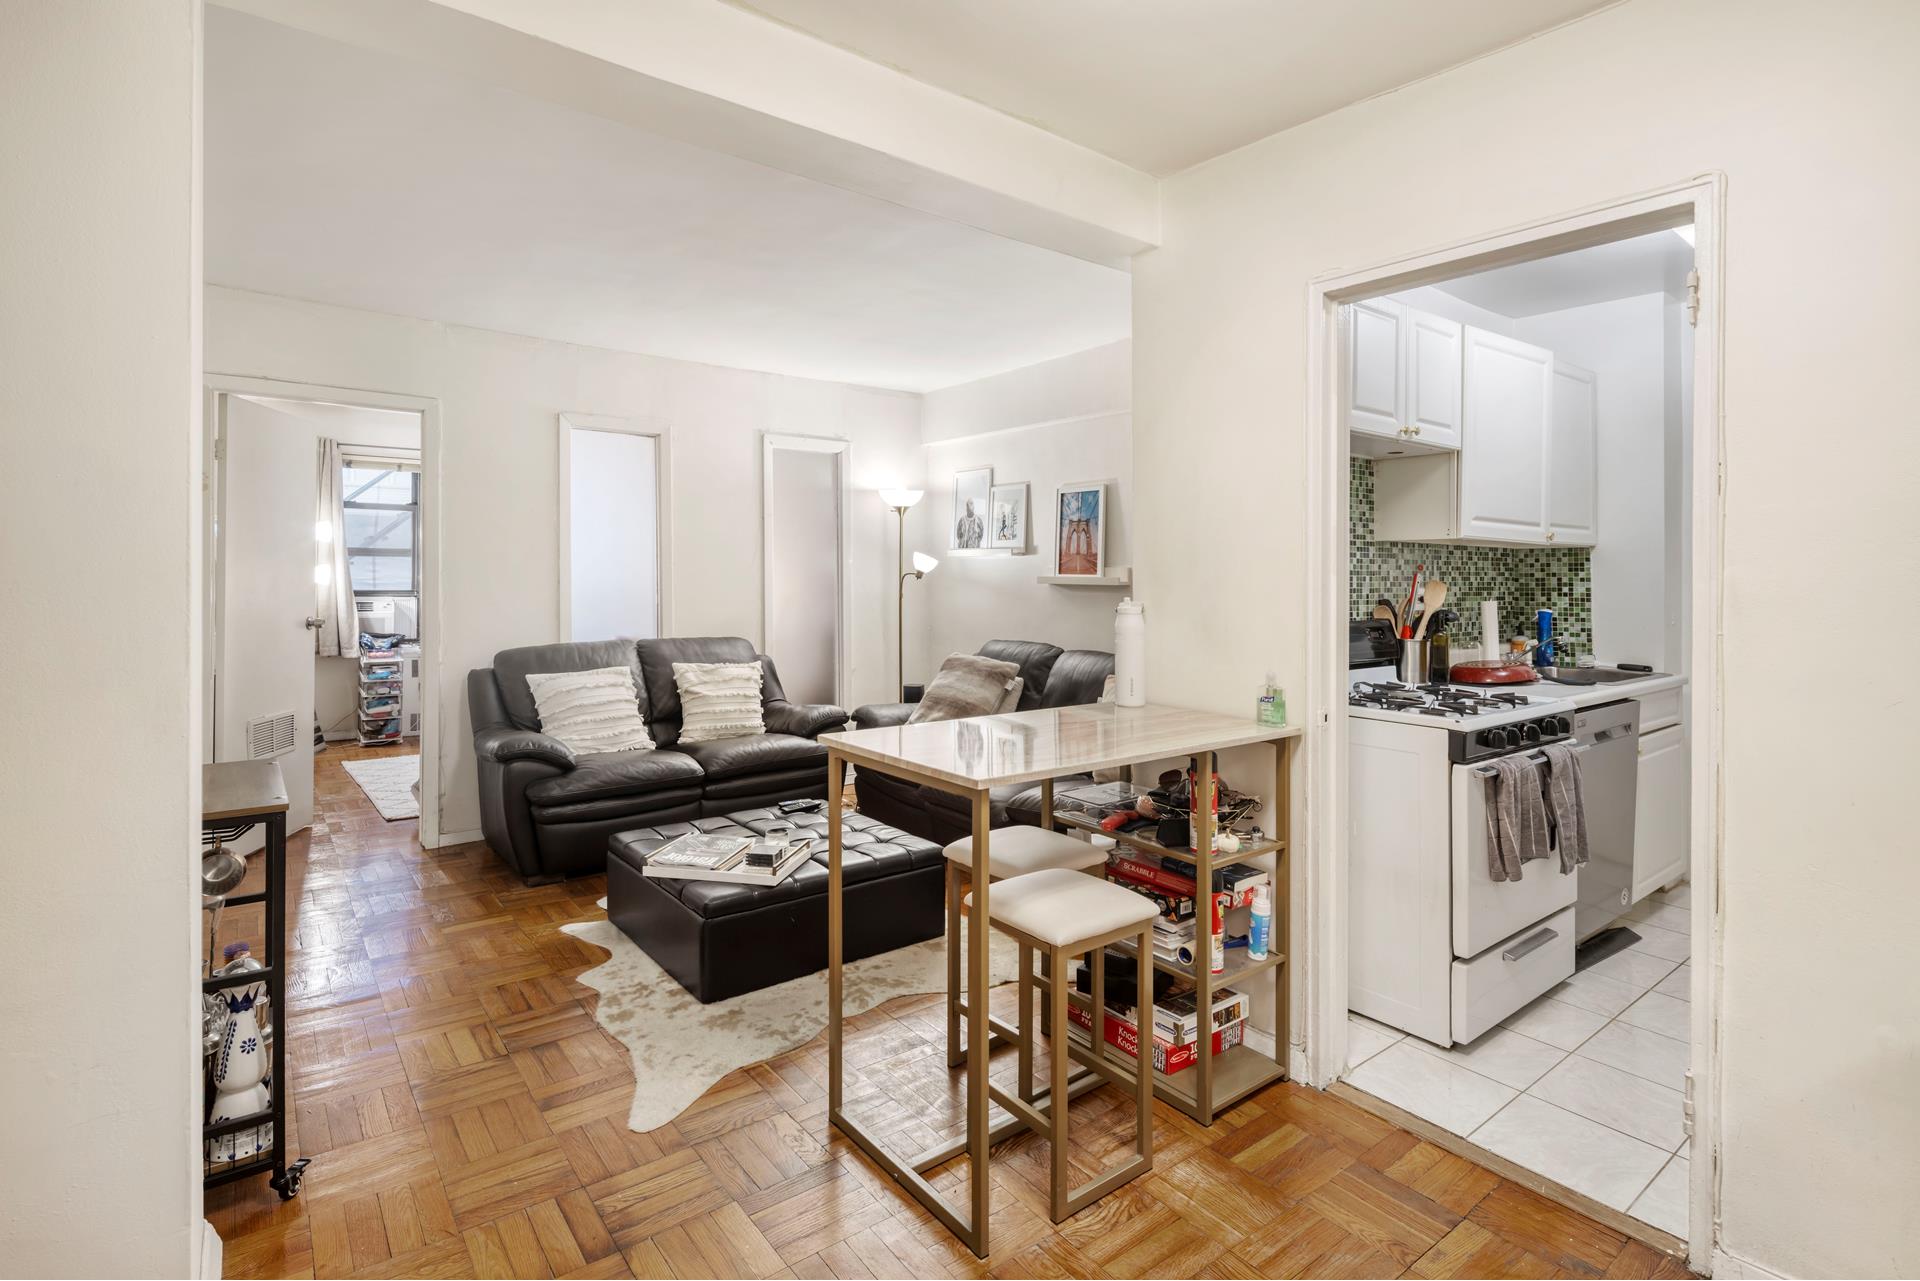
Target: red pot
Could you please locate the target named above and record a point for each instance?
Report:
(1483, 673)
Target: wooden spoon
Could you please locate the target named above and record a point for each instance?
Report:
(1384, 610)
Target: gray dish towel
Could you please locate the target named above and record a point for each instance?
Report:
(1567, 803)
(1516, 817)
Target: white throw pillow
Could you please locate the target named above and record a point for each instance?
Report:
(718, 700)
(592, 711)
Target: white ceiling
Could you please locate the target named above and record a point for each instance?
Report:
(1651, 264)
(348, 177)
(1163, 86)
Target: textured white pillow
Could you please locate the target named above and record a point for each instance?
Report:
(718, 700)
(592, 711)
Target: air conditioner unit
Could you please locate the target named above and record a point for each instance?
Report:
(375, 613)
(406, 614)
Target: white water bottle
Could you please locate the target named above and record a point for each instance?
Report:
(1130, 654)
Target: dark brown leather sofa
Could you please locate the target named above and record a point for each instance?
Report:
(549, 814)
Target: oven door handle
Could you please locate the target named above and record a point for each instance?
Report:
(1538, 758)
(1532, 943)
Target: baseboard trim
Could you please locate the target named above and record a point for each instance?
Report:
(457, 838)
(212, 1253)
(1605, 1215)
(1731, 1266)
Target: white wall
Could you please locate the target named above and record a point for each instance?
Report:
(500, 397)
(1624, 343)
(99, 532)
(1048, 424)
(1807, 112)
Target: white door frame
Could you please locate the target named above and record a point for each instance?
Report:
(1323, 973)
(842, 447)
(570, 422)
(432, 634)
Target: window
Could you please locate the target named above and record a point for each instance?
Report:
(610, 562)
(382, 514)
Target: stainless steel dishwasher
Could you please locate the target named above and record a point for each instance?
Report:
(1609, 773)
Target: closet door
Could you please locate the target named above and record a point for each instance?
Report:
(1508, 399)
(1433, 379)
(1572, 458)
(1375, 374)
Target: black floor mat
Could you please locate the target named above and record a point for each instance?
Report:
(1602, 945)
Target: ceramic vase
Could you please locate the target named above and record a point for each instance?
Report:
(240, 1082)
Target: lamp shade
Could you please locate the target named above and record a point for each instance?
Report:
(900, 498)
(923, 563)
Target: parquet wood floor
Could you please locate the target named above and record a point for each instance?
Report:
(466, 1117)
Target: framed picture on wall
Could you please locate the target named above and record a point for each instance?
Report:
(1007, 517)
(1080, 529)
(971, 490)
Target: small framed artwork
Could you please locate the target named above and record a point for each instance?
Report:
(971, 490)
(1007, 517)
(1080, 529)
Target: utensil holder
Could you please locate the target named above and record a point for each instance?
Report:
(1410, 673)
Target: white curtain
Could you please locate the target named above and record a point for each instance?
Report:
(339, 634)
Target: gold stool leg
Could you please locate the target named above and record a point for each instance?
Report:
(1057, 1111)
(955, 1057)
(1027, 1091)
(1143, 1066)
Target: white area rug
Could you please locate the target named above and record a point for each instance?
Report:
(680, 1047)
(389, 783)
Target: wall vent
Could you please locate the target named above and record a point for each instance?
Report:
(270, 736)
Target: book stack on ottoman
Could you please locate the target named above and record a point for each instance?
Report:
(720, 938)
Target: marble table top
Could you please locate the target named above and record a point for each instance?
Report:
(1022, 747)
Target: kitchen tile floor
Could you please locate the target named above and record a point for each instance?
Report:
(1583, 1086)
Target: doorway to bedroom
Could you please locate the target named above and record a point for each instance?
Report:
(316, 590)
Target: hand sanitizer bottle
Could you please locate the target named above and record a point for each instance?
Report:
(1272, 709)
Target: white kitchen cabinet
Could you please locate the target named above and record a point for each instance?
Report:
(1400, 379)
(1573, 458)
(1433, 346)
(1374, 374)
(1503, 475)
(1504, 484)
(1660, 821)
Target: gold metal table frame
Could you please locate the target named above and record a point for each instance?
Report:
(970, 758)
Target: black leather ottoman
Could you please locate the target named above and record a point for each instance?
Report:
(721, 939)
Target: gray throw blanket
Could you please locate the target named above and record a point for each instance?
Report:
(1516, 817)
(1566, 803)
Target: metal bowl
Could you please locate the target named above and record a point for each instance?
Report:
(220, 870)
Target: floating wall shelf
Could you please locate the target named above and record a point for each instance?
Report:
(1123, 578)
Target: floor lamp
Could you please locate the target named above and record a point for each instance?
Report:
(899, 500)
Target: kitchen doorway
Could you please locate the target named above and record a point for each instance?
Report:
(322, 581)
(1428, 506)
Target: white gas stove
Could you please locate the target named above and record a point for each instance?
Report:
(1452, 706)
(1436, 946)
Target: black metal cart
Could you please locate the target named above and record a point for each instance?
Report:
(232, 793)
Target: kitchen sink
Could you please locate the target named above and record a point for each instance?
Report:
(1592, 675)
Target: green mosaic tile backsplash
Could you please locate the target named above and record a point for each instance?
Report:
(1522, 579)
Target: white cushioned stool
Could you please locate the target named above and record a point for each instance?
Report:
(1011, 851)
(1065, 914)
